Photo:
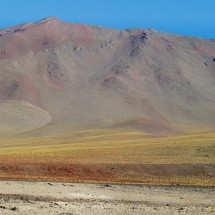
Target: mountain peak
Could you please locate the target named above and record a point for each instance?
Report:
(48, 19)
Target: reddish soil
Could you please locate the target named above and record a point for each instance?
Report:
(130, 173)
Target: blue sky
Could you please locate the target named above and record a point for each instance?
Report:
(186, 17)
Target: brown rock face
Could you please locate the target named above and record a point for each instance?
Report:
(92, 77)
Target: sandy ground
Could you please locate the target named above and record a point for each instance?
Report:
(42, 198)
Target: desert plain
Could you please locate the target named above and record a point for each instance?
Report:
(122, 173)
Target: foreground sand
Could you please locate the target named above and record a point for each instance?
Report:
(20, 198)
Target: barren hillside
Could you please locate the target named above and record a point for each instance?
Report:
(57, 76)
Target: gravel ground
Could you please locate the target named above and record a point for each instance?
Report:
(47, 198)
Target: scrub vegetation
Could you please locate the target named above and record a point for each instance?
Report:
(111, 155)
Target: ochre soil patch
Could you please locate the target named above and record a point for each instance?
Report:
(140, 173)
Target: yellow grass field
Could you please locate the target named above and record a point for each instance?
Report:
(111, 155)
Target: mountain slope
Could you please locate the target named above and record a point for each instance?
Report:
(78, 76)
